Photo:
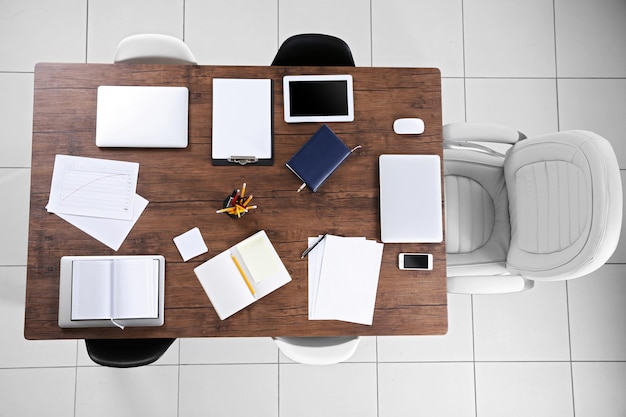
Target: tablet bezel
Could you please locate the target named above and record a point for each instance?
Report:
(326, 118)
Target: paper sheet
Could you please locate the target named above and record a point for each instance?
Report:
(259, 257)
(344, 282)
(93, 187)
(190, 244)
(111, 232)
(242, 118)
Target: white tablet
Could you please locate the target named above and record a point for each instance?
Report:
(318, 98)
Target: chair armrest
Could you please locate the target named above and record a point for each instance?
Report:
(492, 284)
(480, 132)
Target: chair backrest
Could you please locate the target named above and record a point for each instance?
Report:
(314, 49)
(550, 209)
(318, 350)
(152, 48)
(565, 204)
(126, 353)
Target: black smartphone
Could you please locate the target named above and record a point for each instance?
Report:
(415, 261)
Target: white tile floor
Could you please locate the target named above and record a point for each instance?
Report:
(538, 65)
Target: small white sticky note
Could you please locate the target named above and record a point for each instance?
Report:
(190, 244)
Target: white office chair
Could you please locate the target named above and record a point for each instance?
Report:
(152, 48)
(548, 209)
(318, 350)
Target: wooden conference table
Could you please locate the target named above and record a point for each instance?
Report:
(184, 190)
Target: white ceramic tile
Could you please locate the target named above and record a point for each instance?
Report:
(509, 38)
(348, 20)
(599, 388)
(524, 389)
(144, 391)
(365, 352)
(590, 38)
(34, 31)
(456, 345)
(619, 256)
(453, 100)
(228, 390)
(228, 350)
(597, 310)
(418, 33)
(15, 192)
(170, 357)
(528, 105)
(16, 351)
(524, 326)
(110, 21)
(37, 392)
(232, 32)
(345, 389)
(596, 105)
(429, 389)
(16, 119)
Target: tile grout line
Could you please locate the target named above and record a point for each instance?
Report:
(556, 71)
(474, 356)
(377, 381)
(569, 339)
(86, 31)
(371, 34)
(464, 63)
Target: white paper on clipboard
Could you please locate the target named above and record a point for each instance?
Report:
(242, 118)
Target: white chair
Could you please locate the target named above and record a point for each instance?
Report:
(548, 209)
(152, 48)
(318, 350)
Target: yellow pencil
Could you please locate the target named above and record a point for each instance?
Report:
(225, 210)
(243, 190)
(245, 203)
(243, 274)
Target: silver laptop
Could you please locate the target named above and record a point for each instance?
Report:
(142, 117)
(410, 199)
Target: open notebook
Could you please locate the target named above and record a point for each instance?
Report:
(106, 291)
(241, 275)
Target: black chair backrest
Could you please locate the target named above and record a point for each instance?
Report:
(314, 49)
(126, 353)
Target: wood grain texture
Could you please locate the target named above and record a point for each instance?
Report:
(184, 191)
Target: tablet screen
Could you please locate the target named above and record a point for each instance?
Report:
(318, 98)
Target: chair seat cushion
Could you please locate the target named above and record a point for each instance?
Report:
(477, 219)
(564, 189)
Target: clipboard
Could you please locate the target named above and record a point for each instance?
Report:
(242, 122)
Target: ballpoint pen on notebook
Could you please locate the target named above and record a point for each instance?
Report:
(309, 249)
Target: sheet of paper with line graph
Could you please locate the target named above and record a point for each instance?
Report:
(93, 187)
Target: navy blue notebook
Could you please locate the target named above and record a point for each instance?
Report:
(318, 158)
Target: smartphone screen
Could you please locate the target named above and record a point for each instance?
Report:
(416, 261)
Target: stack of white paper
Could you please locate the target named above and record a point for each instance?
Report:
(343, 279)
(97, 196)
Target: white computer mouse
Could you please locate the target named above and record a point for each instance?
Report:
(408, 126)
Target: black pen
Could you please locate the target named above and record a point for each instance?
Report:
(306, 252)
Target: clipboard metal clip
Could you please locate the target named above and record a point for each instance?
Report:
(243, 160)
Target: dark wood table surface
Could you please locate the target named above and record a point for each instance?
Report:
(184, 190)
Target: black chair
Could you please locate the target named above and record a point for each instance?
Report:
(314, 49)
(126, 353)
